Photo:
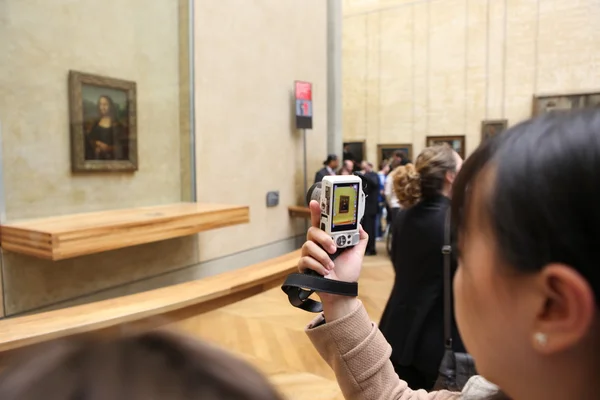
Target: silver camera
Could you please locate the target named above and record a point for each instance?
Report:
(342, 203)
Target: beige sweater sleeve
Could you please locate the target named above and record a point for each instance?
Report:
(359, 355)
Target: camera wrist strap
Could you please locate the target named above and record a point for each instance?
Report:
(299, 287)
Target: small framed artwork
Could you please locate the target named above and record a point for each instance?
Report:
(103, 123)
(564, 102)
(491, 128)
(386, 151)
(456, 142)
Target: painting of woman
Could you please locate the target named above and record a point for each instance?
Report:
(103, 119)
(105, 139)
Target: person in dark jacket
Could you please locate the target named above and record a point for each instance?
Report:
(371, 205)
(330, 165)
(413, 319)
(400, 157)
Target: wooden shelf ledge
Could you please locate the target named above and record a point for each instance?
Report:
(171, 303)
(299, 212)
(68, 236)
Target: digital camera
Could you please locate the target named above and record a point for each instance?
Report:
(342, 203)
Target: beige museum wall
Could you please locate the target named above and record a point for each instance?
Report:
(40, 41)
(248, 54)
(439, 67)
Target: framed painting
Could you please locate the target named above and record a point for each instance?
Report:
(491, 128)
(355, 151)
(564, 102)
(456, 142)
(386, 151)
(103, 123)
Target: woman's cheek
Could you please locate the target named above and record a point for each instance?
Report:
(464, 311)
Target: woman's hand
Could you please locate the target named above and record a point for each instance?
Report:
(347, 265)
(101, 146)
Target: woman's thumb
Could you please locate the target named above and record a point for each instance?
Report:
(364, 239)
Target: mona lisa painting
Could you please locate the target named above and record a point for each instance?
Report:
(103, 123)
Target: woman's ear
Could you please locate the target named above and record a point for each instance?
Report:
(567, 314)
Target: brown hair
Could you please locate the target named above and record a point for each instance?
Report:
(152, 365)
(425, 178)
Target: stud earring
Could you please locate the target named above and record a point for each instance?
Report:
(541, 338)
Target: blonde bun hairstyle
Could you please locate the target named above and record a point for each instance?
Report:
(407, 185)
(426, 177)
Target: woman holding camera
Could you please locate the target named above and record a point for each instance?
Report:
(527, 290)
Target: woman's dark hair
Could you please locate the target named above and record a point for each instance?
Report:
(543, 203)
(153, 365)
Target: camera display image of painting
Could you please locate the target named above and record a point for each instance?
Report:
(344, 205)
(558, 103)
(103, 123)
(456, 142)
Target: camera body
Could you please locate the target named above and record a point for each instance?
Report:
(342, 208)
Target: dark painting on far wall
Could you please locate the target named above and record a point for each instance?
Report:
(354, 151)
(103, 123)
(564, 102)
(456, 142)
(386, 151)
(491, 128)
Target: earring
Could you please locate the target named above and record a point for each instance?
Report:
(541, 338)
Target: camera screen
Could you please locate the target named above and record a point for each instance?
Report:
(345, 207)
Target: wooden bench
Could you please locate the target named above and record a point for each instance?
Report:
(169, 304)
(68, 236)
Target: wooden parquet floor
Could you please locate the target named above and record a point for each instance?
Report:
(269, 333)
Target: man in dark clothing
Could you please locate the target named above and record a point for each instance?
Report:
(348, 154)
(330, 165)
(371, 206)
(400, 158)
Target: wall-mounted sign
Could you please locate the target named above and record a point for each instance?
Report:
(304, 107)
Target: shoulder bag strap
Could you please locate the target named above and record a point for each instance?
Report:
(447, 252)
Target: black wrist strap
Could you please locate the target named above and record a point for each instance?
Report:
(299, 287)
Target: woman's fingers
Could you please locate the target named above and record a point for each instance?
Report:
(364, 239)
(311, 249)
(322, 238)
(315, 213)
(308, 262)
(318, 244)
(363, 234)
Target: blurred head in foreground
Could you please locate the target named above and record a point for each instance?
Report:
(155, 365)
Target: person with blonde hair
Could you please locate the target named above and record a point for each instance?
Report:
(413, 320)
(388, 191)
